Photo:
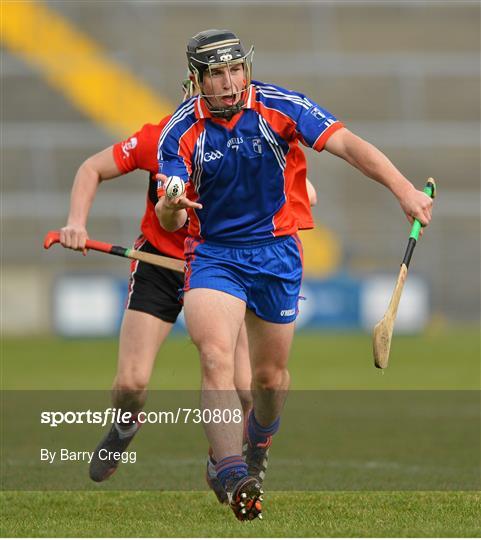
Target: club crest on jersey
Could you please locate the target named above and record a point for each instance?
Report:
(129, 145)
(317, 113)
(257, 146)
(211, 156)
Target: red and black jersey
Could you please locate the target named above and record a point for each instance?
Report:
(140, 152)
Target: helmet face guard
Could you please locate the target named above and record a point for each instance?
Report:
(215, 49)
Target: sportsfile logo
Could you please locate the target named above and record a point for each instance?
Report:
(211, 156)
(112, 415)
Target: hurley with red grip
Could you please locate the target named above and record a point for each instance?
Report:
(53, 237)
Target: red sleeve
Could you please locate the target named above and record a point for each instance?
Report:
(140, 150)
(322, 139)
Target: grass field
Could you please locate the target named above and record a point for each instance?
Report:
(436, 361)
(293, 514)
(447, 360)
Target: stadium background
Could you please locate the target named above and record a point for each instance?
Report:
(78, 76)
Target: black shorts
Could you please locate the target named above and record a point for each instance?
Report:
(153, 289)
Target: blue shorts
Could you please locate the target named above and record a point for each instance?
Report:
(266, 276)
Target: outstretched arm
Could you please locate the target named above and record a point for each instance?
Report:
(374, 164)
(93, 170)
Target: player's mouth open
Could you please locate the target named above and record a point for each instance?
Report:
(228, 100)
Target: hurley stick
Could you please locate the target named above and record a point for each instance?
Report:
(383, 330)
(53, 237)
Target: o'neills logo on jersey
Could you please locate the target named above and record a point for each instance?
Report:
(129, 145)
(234, 143)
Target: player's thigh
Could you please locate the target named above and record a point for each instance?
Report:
(242, 374)
(269, 343)
(141, 336)
(213, 317)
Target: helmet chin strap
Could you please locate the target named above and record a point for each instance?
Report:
(226, 112)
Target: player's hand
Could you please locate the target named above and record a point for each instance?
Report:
(179, 203)
(417, 205)
(74, 237)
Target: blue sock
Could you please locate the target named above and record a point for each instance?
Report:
(231, 466)
(258, 434)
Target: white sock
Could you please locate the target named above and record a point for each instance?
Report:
(125, 432)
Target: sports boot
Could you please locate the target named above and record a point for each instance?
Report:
(257, 457)
(245, 498)
(101, 469)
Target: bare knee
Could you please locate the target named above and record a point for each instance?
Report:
(217, 364)
(130, 390)
(270, 378)
(131, 380)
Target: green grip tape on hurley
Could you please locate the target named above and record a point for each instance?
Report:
(429, 189)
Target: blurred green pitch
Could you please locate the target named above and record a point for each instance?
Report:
(438, 360)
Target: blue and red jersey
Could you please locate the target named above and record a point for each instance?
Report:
(244, 171)
(139, 151)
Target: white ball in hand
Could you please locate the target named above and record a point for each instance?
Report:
(174, 187)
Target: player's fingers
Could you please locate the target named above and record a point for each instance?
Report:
(184, 202)
(427, 217)
(191, 204)
(63, 237)
(66, 238)
(74, 242)
(161, 177)
(422, 219)
(426, 210)
(428, 201)
(82, 240)
(79, 239)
